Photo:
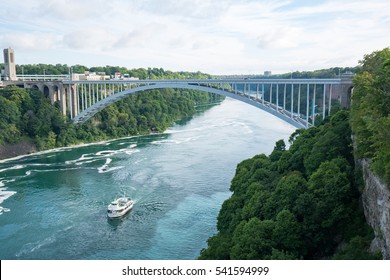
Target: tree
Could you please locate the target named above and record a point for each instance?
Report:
(330, 194)
(330, 142)
(287, 192)
(252, 240)
(288, 234)
(9, 111)
(279, 148)
(218, 248)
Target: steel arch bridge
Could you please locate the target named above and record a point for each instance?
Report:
(297, 101)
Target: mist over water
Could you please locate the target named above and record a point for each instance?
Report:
(53, 204)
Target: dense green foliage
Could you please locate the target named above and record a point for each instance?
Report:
(142, 73)
(26, 113)
(300, 203)
(334, 72)
(370, 112)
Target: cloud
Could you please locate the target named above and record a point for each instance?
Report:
(30, 41)
(139, 37)
(87, 39)
(194, 9)
(71, 10)
(206, 35)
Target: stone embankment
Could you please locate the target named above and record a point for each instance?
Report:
(22, 148)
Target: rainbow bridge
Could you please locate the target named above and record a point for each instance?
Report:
(297, 101)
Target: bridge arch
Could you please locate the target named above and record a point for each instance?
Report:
(266, 106)
(35, 87)
(46, 91)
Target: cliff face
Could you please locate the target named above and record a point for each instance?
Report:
(22, 148)
(376, 204)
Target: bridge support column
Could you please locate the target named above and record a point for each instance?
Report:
(292, 100)
(263, 93)
(346, 91)
(284, 96)
(72, 101)
(299, 100)
(63, 100)
(51, 94)
(314, 104)
(277, 97)
(55, 94)
(323, 102)
(307, 105)
(75, 101)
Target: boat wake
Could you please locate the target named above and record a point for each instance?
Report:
(104, 168)
(31, 247)
(91, 157)
(4, 194)
(15, 167)
(176, 141)
(3, 210)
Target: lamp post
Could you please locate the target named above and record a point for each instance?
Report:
(43, 74)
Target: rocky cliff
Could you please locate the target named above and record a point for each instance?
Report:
(376, 204)
(22, 148)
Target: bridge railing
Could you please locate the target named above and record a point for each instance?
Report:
(42, 77)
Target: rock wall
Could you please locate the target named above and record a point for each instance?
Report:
(21, 148)
(376, 204)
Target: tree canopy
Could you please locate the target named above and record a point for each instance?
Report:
(370, 111)
(296, 203)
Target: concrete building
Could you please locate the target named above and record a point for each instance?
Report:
(9, 65)
(90, 76)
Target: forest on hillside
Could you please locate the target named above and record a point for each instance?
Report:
(296, 203)
(304, 202)
(27, 113)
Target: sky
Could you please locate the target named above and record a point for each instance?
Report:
(216, 37)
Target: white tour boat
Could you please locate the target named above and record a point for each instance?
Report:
(119, 207)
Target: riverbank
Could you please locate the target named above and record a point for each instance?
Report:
(24, 147)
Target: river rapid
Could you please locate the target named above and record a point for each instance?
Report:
(53, 204)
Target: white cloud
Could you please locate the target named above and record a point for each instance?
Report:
(227, 36)
(30, 41)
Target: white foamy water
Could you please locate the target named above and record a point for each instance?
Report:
(15, 167)
(3, 210)
(4, 194)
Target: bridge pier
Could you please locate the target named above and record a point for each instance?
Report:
(71, 100)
